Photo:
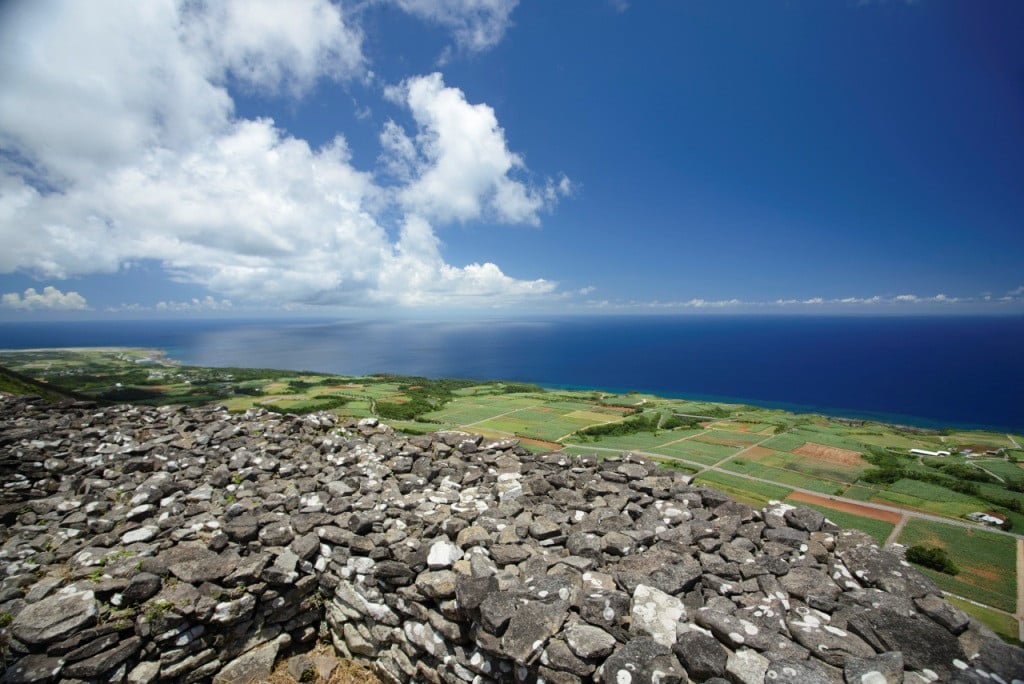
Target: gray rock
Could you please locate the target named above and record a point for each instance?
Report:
(36, 667)
(437, 585)
(230, 612)
(655, 614)
(803, 582)
(804, 518)
(509, 554)
(786, 536)
(470, 592)
(144, 673)
(884, 668)
(884, 570)
(605, 609)
(586, 544)
(243, 528)
(425, 638)
(194, 562)
(253, 665)
(530, 627)
(617, 544)
(56, 616)
(701, 655)
(496, 610)
(474, 535)
(826, 642)
(544, 528)
(999, 658)
(802, 671)
(558, 657)
(394, 572)
(99, 664)
(587, 641)
(747, 667)
(924, 644)
(643, 661)
(944, 613)
(277, 533)
(141, 587)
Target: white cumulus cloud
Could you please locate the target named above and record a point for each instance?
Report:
(50, 299)
(459, 162)
(123, 144)
(477, 25)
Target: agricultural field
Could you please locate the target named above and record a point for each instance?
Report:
(987, 561)
(924, 496)
(698, 452)
(785, 476)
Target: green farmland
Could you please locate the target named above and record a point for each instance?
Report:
(987, 561)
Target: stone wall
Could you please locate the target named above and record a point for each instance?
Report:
(169, 544)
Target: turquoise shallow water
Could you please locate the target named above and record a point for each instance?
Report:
(955, 371)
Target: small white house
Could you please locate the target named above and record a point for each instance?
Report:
(925, 452)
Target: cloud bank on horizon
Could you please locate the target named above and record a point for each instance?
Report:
(159, 136)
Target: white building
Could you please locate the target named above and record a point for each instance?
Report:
(925, 452)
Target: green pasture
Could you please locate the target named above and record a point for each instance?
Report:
(825, 470)
(548, 425)
(1001, 467)
(860, 493)
(788, 477)
(748, 491)
(566, 405)
(893, 440)
(931, 498)
(415, 427)
(642, 441)
(467, 410)
(737, 439)
(699, 452)
(995, 440)
(742, 426)
(987, 561)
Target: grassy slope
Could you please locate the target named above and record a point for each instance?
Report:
(16, 383)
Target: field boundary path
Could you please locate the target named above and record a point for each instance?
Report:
(895, 534)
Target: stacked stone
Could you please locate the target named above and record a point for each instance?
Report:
(172, 544)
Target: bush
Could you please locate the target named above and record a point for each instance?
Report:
(632, 426)
(932, 557)
(885, 476)
(673, 421)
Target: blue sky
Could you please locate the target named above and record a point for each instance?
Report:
(429, 157)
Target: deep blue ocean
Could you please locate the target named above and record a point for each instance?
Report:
(941, 371)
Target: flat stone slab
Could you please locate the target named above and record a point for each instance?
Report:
(56, 616)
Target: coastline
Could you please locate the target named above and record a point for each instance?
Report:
(929, 373)
(896, 420)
